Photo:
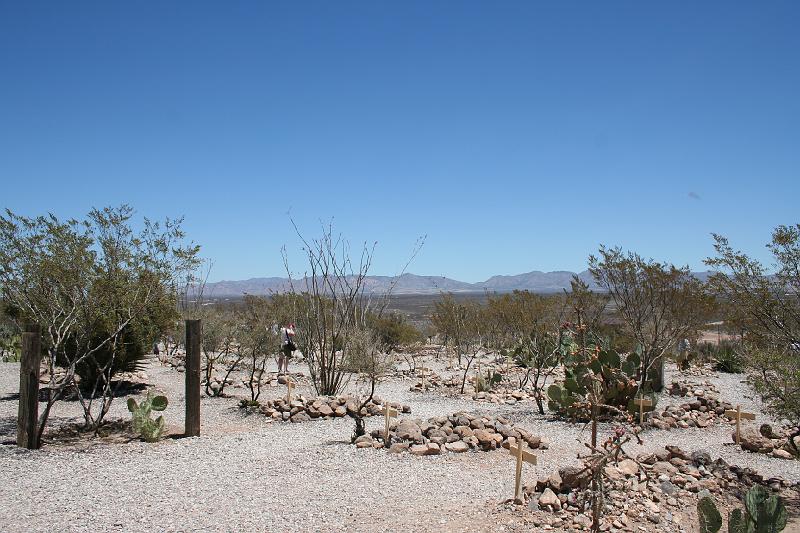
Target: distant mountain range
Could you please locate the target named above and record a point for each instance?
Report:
(535, 281)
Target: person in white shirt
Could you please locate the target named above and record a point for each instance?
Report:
(287, 348)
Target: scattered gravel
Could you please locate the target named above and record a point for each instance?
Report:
(248, 473)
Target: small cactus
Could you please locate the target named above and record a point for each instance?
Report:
(150, 430)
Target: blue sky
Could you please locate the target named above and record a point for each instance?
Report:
(518, 135)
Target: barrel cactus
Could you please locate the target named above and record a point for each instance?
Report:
(150, 430)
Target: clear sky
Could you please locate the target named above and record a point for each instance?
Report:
(517, 135)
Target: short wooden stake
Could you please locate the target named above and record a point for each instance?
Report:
(515, 450)
(28, 410)
(193, 338)
(289, 389)
(739, 414)
(388, 414)
(642, 403)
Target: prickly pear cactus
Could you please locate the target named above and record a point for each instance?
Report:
(763, 513)
(616, 376)
(150, 430)
(708, 515)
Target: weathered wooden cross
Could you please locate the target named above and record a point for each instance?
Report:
(739, 414)
(515, 450)
(422, 370)
(388, 414)
(289, 389)
(642, 403)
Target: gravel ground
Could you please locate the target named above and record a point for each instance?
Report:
(247, 474)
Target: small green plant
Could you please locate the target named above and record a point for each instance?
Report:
(763, 512)
(150, 430)
(725, 355)
(249, 404)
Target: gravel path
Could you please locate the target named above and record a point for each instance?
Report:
(248, 474)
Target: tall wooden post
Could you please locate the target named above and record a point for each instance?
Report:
(193, 333)
(28, 413)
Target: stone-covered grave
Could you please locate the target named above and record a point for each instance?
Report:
(768, 440)
(434, 381)
(302, 409)
(701, 410)
(503, 396)
(653, 489)
(457, 433)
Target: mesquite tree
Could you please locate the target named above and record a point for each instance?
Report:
(764, 306)
(92, 285)
(658, 303)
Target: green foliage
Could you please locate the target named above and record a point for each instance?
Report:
(492, 378)
(393, 330)
(763, 513)
(249, 404)
(150, 430)
(764, 310)
(658, 303)
(708, 515)
(726, 357)
(617, 378)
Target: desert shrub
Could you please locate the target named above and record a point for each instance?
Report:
(727, 358)
(393, 331)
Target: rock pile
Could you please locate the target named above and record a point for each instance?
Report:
(503, 396)
(700, 412)
(457, 433)
(651, 489)
(690, 388)
(435, 381)
(301, 409)
(768, 441)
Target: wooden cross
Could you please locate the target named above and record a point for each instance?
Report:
(289, 389)
(422, 369)
(642, 403)
(388, 413)
(515, 450)
(739, 414)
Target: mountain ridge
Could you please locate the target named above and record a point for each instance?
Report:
(534, 281)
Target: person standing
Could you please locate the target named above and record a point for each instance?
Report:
(287, 348)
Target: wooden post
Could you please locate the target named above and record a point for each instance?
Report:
(289, 389)
(388, 413)
(521, 455)
(739, 414)
(642, 403)
(422, 370)
(193, 335)
(28, 411)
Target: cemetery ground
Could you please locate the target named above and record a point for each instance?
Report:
(250, 472)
